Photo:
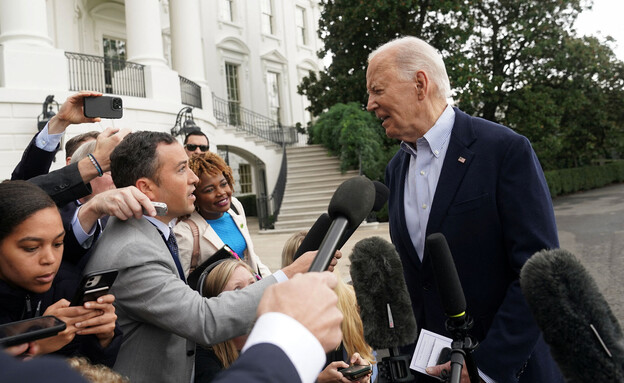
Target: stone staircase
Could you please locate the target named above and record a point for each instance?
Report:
(313, 177)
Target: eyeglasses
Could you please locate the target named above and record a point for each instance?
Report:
(192, 147)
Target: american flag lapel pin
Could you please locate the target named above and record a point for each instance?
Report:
(461, 159)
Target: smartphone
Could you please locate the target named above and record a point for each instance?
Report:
(356, 371)
(103, 106)
(28, 330)
(93, 286)
(161, 208)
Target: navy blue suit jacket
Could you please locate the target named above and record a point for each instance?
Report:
(263, 362)
(493, 206)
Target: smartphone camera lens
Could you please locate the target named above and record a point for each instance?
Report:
(117, 104)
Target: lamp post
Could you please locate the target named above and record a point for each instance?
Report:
(47, 112)
(185, 123)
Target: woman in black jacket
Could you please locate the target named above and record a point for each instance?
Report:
(33, 283)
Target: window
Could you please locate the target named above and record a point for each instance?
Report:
(233, 93)
(267, 17)
(244, 175)
(300, 20)
(274, 95)
(226, 10)
(114, 60)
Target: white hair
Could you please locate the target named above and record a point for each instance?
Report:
(414, 54)
(83, 151)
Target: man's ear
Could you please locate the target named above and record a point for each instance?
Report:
(147, 187)
(422, 84)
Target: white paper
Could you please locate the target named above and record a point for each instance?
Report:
(428, 350)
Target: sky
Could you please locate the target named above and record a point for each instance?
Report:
(604, 19)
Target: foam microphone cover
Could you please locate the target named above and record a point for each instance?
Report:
(445, 275)
(313, 239)
(565, 300)
(381, 195)
(377, 275)
(353, 200)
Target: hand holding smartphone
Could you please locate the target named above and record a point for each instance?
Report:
(356, 371)
(29, 330)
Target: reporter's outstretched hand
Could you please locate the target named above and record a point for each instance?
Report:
(71, 112)
(310, 299)
(303, 263)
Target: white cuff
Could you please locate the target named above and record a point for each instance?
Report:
(47, 141)
(302, 348)
(280, 276)
(84, 239)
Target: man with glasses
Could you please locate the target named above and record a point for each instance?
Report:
(196, 142)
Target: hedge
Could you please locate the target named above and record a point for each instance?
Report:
(249, 204)
(566, 181)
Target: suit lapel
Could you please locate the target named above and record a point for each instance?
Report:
(456, 163)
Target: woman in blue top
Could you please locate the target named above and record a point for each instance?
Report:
(219, 218)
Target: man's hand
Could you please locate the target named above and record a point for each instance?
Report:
(302, 264)
(106, 142)
(122, 203)
(437, 370)
(71, 112)
(309, 299)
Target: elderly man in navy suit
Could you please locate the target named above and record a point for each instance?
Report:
(481, 185)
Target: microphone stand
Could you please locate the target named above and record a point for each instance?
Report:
(395, 368)
(461, 349)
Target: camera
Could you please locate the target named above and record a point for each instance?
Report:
(117, 103)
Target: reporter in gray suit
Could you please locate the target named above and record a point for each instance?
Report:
(160, 315)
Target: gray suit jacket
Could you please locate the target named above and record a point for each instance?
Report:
(162, 317)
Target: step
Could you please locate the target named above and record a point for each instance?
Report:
(312, 161)
(287, 217)
(306, 199)
(299, 208)
(339, 177)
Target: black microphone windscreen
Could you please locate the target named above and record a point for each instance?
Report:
(445, 275)
(313, 239)
(566, 304)
(381, 195)
(378, 280)
(353, 200)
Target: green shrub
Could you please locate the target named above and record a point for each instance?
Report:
(566, 181)
(249, 204)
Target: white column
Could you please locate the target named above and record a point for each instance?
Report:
(27, 57)
(24, 22)
(145, 46)
(186, 45)
(144, 32)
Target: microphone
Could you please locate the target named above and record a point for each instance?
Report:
(385, 304)
(317, 232)
(446, 278)
(454, 305)
(351, 203)
(584, 336)
(313, 239)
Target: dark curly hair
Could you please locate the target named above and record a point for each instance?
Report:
(211, 164)
(135, 157)
(18, 201)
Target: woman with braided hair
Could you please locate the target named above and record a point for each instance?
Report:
(218, 219)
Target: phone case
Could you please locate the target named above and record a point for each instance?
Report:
(28, 330)
(93, 286)
(356, 371)
(103, 106)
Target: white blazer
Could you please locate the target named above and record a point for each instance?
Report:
(209, 241)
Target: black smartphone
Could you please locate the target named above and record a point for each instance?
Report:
(356, 371)
(28, 330)
(445, 356)
(93, 286)
(103, 106)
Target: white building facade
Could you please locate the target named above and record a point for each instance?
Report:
(237, 63)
